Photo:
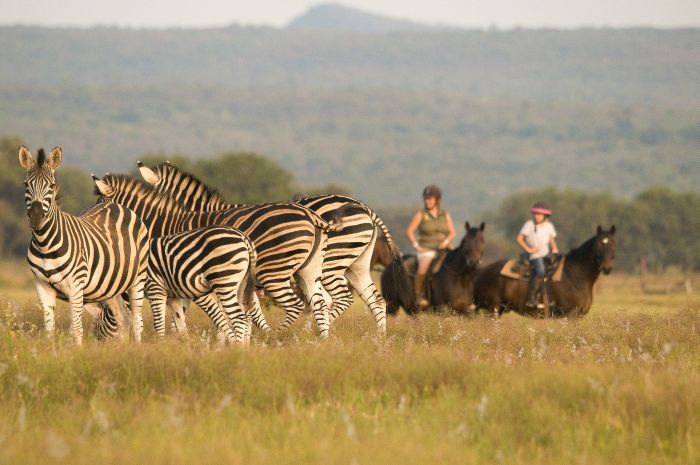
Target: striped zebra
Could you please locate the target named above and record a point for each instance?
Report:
(209, 266)
(289, 239)
(348, 251)
(82, 259)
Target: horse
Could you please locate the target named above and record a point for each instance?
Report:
(452, 284)
(572, 296)
(381, 254)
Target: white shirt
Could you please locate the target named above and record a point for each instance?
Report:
(538, 237)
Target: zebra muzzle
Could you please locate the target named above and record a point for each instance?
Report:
(35, 214)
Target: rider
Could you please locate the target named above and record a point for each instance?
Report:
(536, 237)
(435, 232)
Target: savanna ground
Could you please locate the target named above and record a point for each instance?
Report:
(622, 385)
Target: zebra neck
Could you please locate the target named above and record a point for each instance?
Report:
(52, 235)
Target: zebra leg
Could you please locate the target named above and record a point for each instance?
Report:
(158, 299)
(359, 276)
(337, 286)
(47, 300)
(136, 303)
(178, 322)
(76, 314)
(255, 315)
(370, 295)
(228, 296)
(310, 281)
(108, 320)
(284, 295)
(210, 305)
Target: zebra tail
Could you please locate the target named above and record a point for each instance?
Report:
(249, 281)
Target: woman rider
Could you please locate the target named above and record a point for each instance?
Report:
(435, 232)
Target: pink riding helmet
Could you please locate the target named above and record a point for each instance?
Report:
(541, 207)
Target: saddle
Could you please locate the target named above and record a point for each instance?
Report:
(411, 263)
(520, 268)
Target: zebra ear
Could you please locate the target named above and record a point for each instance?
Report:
(55, 158)
(25, 158)
(104, 188)
(148, 174)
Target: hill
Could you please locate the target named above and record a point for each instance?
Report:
(339, 18)
(481, 113)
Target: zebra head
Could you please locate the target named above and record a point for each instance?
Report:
(40, 183)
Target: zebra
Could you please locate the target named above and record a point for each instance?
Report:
(348, 251)
(289, 239)
(82, 259)
(207, 265)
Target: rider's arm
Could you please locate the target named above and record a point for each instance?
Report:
(451, 232)
(520, 239)
(410, 231)
(553, 245)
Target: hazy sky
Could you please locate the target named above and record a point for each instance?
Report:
(470, 13)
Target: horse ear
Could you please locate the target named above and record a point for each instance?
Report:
(25, 158)
(612, 229)
(55, 158)
(148, 174)
(599, 231)
(482, 226)
(466, 226)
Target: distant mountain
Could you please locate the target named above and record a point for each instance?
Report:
(339, 18)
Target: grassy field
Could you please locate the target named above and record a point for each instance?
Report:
(620, 386)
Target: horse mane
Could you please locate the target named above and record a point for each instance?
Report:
(211, 192)
(581, 250)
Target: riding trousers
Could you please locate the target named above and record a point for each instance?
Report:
(537, 265)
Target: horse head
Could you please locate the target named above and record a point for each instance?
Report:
(604, 249)
(473, 244)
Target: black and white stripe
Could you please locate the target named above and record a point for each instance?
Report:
(204, 265)
(289, 239)
(82, 259)
(348, 251)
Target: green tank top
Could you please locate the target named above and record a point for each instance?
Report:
(432, 230)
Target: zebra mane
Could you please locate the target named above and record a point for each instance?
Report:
(126, 184)
(172, 171)
(41, 157)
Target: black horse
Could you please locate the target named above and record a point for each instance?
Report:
(452, 284)
(570, 297)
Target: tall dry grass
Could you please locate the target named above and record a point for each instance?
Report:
(621, 385)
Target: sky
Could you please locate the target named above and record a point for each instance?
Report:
(467, 13)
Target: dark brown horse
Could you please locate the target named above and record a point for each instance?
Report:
(381, 253)
(572, 296)
(452, 284)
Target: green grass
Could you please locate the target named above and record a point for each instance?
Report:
(620, 386)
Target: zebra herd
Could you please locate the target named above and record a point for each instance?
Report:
(172, 239)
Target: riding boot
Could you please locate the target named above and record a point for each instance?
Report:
(418, 288)
(533, 286)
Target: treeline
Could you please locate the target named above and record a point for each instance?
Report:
(602, 65)
(659, 224)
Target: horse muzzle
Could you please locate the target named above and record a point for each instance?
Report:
(607, 270)
(35, 214)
